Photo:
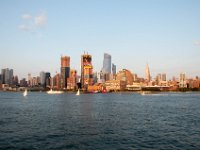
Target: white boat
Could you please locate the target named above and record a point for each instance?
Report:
(25, 92)
(78, 92)
(54, 92)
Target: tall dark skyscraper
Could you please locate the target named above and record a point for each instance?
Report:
(106, 63)
(7, 76)
(47, 79)
(65, 71)
(114, 69)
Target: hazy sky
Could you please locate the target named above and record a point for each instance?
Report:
(164, 33)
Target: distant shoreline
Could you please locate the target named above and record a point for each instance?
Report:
(88, 92)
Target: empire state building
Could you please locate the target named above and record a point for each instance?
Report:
(147, 73)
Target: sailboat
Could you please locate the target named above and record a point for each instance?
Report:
(78, 92)
(25, 92)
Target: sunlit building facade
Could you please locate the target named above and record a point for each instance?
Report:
(125, 75)
(182, 81)
(65, 71)
(86, 70)
(147, 73)
(72, 80)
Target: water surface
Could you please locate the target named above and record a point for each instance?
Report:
(99, 121)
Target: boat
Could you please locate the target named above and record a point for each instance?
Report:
(54, 92)
(25, 92)
(78, 92)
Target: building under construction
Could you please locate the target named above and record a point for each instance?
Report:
(86, 71)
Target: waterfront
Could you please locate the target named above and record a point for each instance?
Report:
(99, 121)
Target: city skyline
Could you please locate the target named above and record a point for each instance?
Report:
(163, 34)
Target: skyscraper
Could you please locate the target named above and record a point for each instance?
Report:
(42, 78)
(182, 81)
(106, 63)
(72, 80)
(86, 70)
(147, 73)
(65, 71)
(7, 76)
(114, 69)
(47, 79)
(164, 77)
(29, 79)
(3, 76)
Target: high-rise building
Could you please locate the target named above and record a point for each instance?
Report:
(126, 76)
(164, 77)
(147, 73)
(114, 69)
(106, 63)
(72, 80)
(135, 77)
(34, 82)
(158, 79)
(100, 77)
(182, 77)
(86, 71)
(95, 77)
(15, 80)
(23, 83)
(56, 81)
(42, 78)
(7, 76)
(65, 71)
(29, 80)
(182, 81)
(47, 79)
(3, 76)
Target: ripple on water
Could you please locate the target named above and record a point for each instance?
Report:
(100, 121)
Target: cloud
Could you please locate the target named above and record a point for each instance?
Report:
(26, 17)
(41, 20)
(33, 23)
(197, 43)
(24, 27)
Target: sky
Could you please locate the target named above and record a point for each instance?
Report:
(163, 33)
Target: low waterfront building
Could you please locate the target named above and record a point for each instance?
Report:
(134, 87)
(115, 85)
(95, 88)
(193, 83)
(173, 85)
(163, 83)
